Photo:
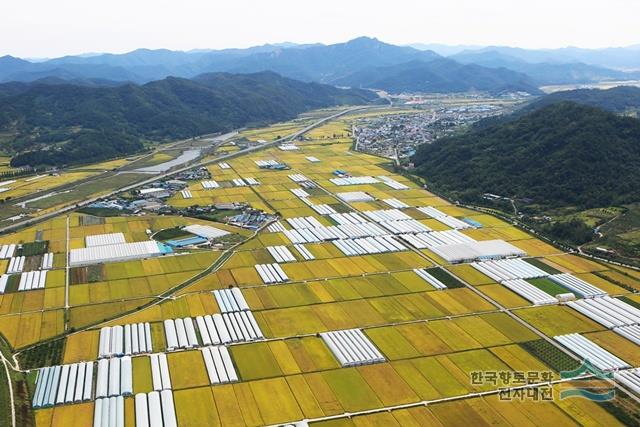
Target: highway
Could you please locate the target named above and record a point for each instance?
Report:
(75, 205)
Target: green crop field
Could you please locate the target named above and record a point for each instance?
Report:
(548, 286)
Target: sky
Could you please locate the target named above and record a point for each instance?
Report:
(46, 28)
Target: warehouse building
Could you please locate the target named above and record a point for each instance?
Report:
(482, 250)
(205, 231)
(116, 252)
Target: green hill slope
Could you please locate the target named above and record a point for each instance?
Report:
(66, 124)
(563, 154)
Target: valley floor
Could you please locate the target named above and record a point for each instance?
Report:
(450, 351)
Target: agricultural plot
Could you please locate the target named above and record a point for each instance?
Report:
(504, 296)
(621, 279)
(469, 274)
(30, 185)
(489, 410)
(535, 247)
(272, 132)
(574, 264)
(557, 320)
(370, 312)
(613, 342)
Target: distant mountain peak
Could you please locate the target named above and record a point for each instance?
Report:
(364, 41)
(7, 59)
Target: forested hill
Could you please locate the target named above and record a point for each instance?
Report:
(618, 99)
(65, 124)
(562, 154)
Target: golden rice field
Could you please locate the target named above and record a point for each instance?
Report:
(94, 294)
(35, 184)
(27, 185)
(489, 410)
(432, 340)
(272, 132)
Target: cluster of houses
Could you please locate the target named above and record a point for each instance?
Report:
(398, 135)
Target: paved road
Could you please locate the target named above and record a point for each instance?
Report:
(130, 168)
(88, 201)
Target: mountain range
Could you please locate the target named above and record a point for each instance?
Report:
(440, 75)
(361, 62)
(545, 73)
(307, 62)
(620, 58)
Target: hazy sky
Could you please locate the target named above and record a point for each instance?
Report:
(48, 28)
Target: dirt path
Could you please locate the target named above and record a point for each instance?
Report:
(13, 407)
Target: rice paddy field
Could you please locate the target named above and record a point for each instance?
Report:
(433, 342)
(27, 185)
(97, 292)
(33, 184)
(275, 131)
